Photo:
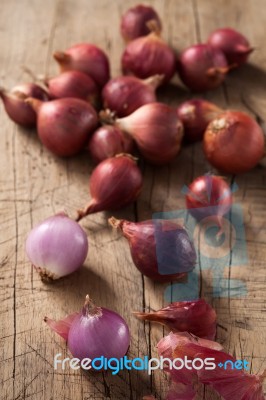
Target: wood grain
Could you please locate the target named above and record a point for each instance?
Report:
(35, 185)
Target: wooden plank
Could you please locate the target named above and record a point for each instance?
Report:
(35, 185)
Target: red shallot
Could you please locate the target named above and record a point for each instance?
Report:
(93, 332)
(114, 183)
(209, 196)
(87, 58)
(160, 249)
(202, 67)
(73, 84)
(196, 317)
(15, 106)
(233, 44)
(196, 114)
(64, 125)
(147, 56)
(108, 141)
(156, 129)
(135, 21)
(125, 94)
(234, 142)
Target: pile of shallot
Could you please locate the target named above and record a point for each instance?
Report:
(83, 109)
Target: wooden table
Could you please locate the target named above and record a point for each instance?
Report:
(35, 184)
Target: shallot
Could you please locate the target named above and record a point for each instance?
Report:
(160, 249)
(114, 183)
(156, 129)
(196, 114)
(87, 58)
(125, 94)
(64, 125)
(15, 106)
(108, 141)
(73, 84)
(208, 196)
(147, 56)
(135, 22)
(202, 67)
(232, 43)
(93, 332)
(57, 247)
(234, 142)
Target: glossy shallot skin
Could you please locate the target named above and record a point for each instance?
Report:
(232, 43)
(114, 183)
(234, 142)
(135, 21)
(87, 58)
(161, 250)
(16, 107)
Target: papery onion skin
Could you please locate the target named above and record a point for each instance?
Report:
(114, 183)
(157, 131)
(126, 94)
(57, 247)
(230, 383)
(87, 58)
(97, 332)
(208, 195)
(233, 142)
(161, 240)
(195, 115)
(62, 326)
(179, 345)
(74, 84)
(233, 44)
(108, 141)
(134, 21)
(196, 317)
(15, 106)
(148, 56)
(64, 125)
(202, 67)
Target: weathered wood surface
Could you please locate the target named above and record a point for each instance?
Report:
(35, 184)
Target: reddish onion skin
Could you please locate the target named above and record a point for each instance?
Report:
(208, 195)
(15, 106)
(233, 142)
(74, 84)
(134, 22)
(202, 67)
(195, 115)
(126, 94)
(153, 240)
(157, 131)
(230, 382)
(114, 183)
(87, 58)
(233, 44)
(148, 56)
(108, 141)
(64, 125)
(196, 317)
